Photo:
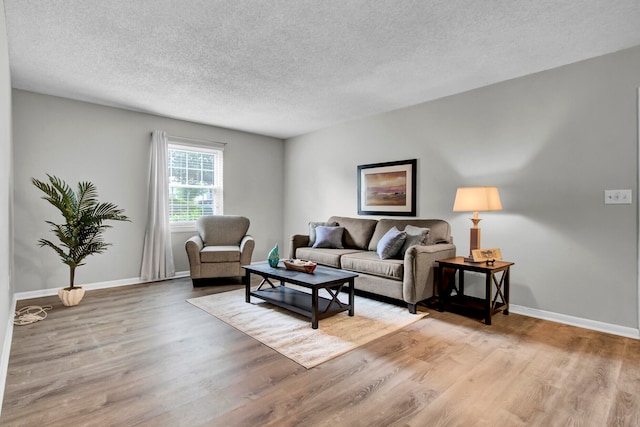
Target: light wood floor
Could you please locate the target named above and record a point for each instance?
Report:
(141, 355)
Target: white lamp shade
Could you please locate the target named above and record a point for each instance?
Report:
(476, 199)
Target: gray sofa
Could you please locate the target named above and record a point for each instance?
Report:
(409, 278)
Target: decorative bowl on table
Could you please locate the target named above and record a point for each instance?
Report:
(300, 265)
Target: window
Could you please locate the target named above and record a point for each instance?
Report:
(195, 182)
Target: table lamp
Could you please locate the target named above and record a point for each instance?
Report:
(476, 199)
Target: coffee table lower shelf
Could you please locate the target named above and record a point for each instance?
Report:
(300, 302)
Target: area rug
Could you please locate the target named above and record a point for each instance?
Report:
(291, 334)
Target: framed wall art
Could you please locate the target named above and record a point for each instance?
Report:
(387, 188)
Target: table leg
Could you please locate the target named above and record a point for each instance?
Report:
(441, 290)
(351, 297)
(314, 308)
(488, 298)
(247, 285)
(506, 291)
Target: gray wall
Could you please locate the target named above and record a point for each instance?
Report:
(110, 147)
(552, 142)
(6, 287)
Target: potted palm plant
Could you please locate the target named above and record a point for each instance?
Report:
(81, 233)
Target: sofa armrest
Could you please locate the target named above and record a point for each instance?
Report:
(247, 244)
(419, 271)
(297, 241)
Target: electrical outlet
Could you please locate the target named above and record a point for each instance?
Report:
(617, 197)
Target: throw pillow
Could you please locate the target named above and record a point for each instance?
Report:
(312, 229)
(391, 243)
(415, 236)
(328, 237)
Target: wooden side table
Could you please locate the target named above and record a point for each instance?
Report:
(490, 304)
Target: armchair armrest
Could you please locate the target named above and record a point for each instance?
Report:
(419, 272)
(297, 241)
(193, 246)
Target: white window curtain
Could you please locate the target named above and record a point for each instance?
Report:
(157, 256)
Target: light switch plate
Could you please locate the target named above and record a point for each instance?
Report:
(617, 197)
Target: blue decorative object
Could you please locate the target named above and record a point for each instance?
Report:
(274, 257)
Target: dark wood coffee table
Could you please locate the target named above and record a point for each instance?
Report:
(306, 304)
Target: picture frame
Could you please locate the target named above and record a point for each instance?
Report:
(387, 188)
(489, 255)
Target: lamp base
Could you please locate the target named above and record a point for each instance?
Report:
(474, 242)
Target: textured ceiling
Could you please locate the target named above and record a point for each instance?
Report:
(285, 68)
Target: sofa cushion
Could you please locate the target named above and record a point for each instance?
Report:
(220, 254)
(391, 243)
(328, 257)
(312, 229)
(369, 262)
(328, 237)
(357, 231)
(415, 236)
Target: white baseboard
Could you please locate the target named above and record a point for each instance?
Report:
(576, 321)
(91, 286)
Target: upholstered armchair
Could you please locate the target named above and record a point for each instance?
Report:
(220, 248)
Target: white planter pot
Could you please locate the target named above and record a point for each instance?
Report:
(71, 297)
